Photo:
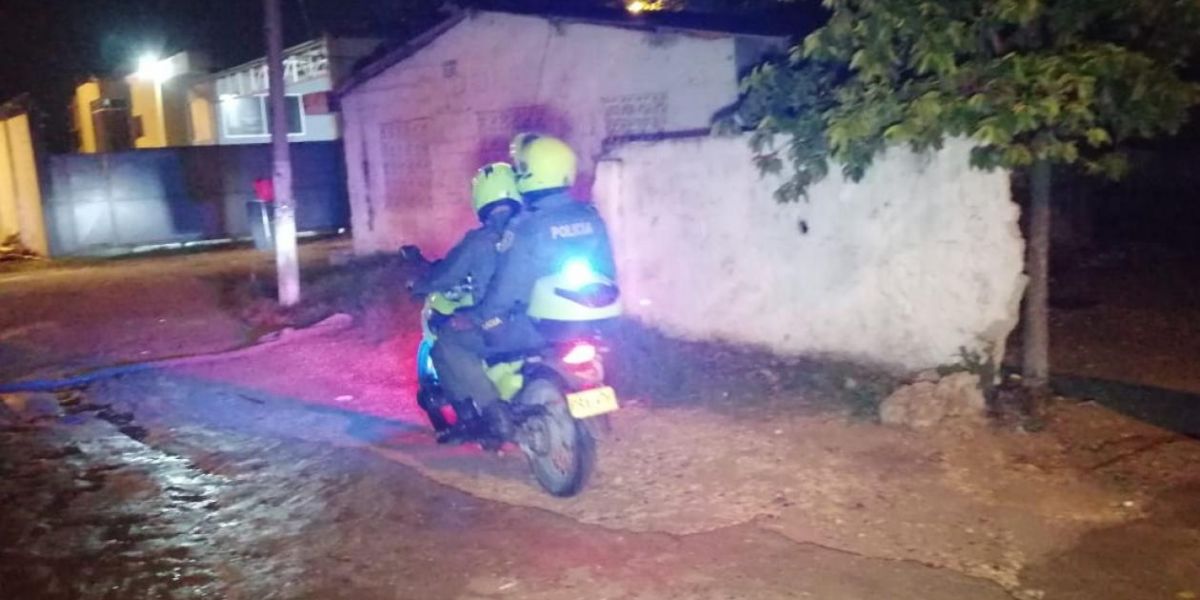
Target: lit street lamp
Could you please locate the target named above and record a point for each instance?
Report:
(151, 68)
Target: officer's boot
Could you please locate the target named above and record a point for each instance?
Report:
(500, 420)
(500, 428)
(431, 400)
(468, 426)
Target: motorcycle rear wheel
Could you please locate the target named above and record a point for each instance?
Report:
(561, 451)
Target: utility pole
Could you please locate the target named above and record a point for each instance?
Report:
(287, 264)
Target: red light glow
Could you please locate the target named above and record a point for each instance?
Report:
(580, 354)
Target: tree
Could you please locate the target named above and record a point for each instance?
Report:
(1033, 83)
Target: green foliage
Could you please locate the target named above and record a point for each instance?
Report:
(792, 97)
(1064, 81)
(974, 362)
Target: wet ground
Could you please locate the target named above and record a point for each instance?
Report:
(303, 472)
(99, 506)
(92, 312)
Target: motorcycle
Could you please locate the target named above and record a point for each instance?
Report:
(556, 395)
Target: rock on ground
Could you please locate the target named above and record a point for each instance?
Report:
(30, 407)
(926, 403)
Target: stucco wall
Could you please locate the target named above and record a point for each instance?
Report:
(416, 133)
(145, 104)
(20, 191)
(920, 259)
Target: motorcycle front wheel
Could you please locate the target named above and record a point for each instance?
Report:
(560, 449)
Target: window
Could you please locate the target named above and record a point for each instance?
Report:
(295, 114)
(243, 116)
(247, 116)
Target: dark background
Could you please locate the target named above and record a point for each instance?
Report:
(48, 46)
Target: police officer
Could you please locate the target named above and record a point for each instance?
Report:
(553, 229)
(496, 200)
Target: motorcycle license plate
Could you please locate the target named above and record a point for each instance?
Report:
(590, 403)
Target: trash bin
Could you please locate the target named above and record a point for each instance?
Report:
(261, 218)
(260, 214)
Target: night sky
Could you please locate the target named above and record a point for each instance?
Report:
(48, 46)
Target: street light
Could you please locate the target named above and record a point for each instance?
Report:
(150, 67)
(637, 7)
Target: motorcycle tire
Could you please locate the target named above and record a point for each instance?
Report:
(560, 449)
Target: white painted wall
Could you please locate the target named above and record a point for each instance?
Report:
(416, 133)
(920, 259)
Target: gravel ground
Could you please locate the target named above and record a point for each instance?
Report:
(304, 471)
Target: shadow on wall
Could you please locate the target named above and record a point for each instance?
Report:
(190, 183)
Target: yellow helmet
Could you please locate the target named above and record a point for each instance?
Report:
(494, 185)
(542, 162)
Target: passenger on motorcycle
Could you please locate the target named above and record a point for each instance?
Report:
(496, 200)
(553, 231)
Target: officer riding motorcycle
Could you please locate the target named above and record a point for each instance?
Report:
(555, 236)
(466, 271)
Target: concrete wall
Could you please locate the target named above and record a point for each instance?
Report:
(20, 190)
(146, 107)
(81, 108)
(415, 134)
(112, 202)
(177, 109)
(920, 259)
(101, 129)
(202, 117)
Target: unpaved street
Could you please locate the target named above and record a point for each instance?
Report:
(302, 471)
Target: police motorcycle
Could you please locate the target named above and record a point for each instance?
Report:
(557, 395)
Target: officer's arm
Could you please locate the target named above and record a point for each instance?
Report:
(456, 267)
(513, 282)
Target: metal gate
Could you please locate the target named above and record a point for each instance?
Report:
(112, 203)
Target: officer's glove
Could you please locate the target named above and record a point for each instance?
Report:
(459, 322)
(438, 321)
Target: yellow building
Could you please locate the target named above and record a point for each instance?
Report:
(152, 108)
(100, 111)
(85, 130)
(20, 192)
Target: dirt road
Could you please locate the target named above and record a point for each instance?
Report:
(306, 473)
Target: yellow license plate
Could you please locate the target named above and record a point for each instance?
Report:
(590, 403)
